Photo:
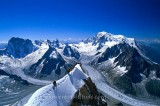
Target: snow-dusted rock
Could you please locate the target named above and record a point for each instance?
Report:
(71, 52)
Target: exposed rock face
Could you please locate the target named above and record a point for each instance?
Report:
(88, 95)
(70, 52)
(153, 87)
(130, 58)
(51, 61)
(110, 53)
(135, 64)
(125, 62)
(18, 47)
(54, 43)
(38, 42)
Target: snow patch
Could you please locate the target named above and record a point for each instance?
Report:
(53, 54)
(122, 70)
(3, 76)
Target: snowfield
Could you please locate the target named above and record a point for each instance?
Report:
(62, 94)
(85, 48)
(106, 90)
(9, 64)
(21, 63)
(91, 47)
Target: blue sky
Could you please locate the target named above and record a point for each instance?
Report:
(62, 19)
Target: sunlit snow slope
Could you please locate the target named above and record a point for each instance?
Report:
(63, 93)
(105, 89)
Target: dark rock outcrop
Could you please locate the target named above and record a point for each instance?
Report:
(153, 87)
(88, 95)
(136, 65)
(71, 52)
(51, 61)
(18, 48)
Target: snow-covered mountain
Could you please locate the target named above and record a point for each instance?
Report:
(108, 39)
(18, 48)
(101, 42)
(39, 59)
(54, 43)
(123, 62)
(50, 63)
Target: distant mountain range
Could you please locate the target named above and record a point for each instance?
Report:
(129, 66)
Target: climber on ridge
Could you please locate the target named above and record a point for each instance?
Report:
(54, 84)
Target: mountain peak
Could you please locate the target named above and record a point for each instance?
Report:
(103, 37)
(103, 34)
(111, 36)
(19, 47)
(54, 43)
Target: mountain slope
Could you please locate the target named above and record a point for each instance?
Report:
(18, 47)
(50, 62)
(71, 52)
(66, 88)
(151, 51)
(111, 92)
(125, 66)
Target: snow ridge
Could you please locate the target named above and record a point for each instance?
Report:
(62, 94)
(101, 42)
(108, 37)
